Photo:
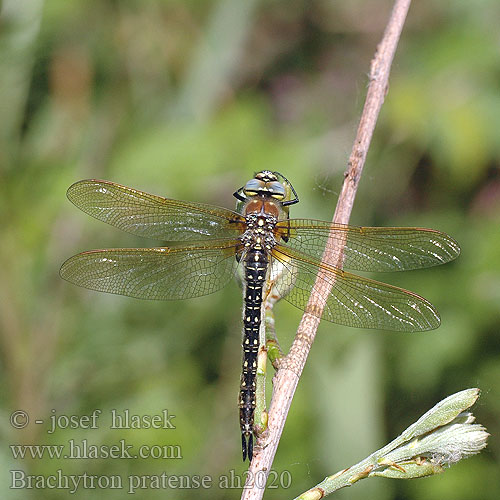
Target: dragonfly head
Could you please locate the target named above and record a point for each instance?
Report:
(267, 184)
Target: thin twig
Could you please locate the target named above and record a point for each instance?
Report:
(287, 377)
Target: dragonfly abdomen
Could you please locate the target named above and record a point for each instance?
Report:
(256, 264)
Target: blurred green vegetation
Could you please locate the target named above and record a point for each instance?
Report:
(188, 99)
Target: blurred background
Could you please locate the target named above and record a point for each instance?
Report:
(187, 99)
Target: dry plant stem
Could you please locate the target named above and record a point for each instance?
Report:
(287, 377)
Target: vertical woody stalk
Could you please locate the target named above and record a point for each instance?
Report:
(287, 377)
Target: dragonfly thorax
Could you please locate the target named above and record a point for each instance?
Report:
(259, 234)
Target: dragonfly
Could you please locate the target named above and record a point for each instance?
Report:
(210, 244)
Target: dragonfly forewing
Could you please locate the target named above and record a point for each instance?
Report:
(372, 248)
(152, 216)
